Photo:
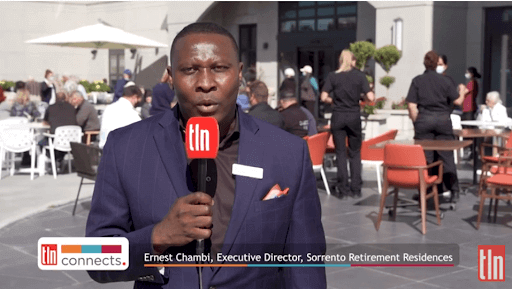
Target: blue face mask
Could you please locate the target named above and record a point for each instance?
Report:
(439, 69)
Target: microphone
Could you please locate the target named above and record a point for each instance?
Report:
(202, 143)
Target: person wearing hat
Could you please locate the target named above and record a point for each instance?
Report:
(118, 92)
(288, 84)
(296, 121)
(308, 89)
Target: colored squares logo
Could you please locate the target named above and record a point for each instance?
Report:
(70, 253)
(91, 249)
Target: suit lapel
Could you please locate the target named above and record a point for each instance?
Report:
(172, 152)
(250, 153)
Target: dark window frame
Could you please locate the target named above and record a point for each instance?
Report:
(316, 17)
(252, 50)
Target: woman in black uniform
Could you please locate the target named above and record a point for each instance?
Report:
(430, 99)
(347, 85)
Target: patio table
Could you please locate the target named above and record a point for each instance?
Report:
(476, 133)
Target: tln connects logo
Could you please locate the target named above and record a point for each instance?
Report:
(69, 253)
(491, 263)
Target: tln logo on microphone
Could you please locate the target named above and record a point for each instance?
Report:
(49, 254)
(491, 263)
(202, 138)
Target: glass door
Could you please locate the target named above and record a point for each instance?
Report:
(116, 66)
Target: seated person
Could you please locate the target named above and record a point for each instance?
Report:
(259, 105)
(22, 105)
(120, 113)
(295, 120)
(492, 110)
(86, 114)
(60, 113)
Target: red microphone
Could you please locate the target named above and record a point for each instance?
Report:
(202, 143)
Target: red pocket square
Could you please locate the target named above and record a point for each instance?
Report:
(275, 192)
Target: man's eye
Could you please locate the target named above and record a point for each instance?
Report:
(220, 68)
(188, 69)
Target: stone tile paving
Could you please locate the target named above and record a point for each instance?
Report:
(346, 222)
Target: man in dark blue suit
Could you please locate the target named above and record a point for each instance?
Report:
(145, 190)
(118, 92)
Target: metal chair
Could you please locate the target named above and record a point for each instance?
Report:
(86, 159)
(405, 166)
(317, 144)
(60, 141)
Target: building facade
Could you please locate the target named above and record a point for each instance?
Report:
(272, 36)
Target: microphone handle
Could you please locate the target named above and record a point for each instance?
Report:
(201, 186)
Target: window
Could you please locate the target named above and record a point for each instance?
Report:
(306, 16)
(248, 46)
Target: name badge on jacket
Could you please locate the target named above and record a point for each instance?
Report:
(247, 171)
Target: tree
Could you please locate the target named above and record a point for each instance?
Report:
(362, 50)
(387, 56)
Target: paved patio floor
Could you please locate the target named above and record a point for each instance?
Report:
(346, 222)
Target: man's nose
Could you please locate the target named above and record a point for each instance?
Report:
(206, 81)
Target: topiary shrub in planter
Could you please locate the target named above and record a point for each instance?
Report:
(387, 56)
(362, 50)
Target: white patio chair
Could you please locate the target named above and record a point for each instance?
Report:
(17, 140)
(9, 123)
(456, 124)
(60, 141)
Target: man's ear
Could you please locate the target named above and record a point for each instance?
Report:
(170, 81)
(240, 69)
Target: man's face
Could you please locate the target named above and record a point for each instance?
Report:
(206, 75)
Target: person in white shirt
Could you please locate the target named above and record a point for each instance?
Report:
(493, 110)
(120, 113)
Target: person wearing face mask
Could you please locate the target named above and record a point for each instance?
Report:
(442, 66)
(469, 106)
(48, 88)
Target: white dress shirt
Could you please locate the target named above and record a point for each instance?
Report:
(118, 114)
(53, 97)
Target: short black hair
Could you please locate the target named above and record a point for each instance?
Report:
(444, 58)
(132, 90)
(203, 28)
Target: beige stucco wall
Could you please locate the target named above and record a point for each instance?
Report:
(417, 40)
(22, 21)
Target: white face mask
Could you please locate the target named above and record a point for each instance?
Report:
(440, 69)
(467, 75)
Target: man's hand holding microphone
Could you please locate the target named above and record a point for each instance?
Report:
(190, 217)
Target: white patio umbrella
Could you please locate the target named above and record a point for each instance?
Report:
(98, 36)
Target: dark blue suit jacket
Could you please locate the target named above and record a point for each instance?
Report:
(143, 172)
(118, 92)
(163, 95)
